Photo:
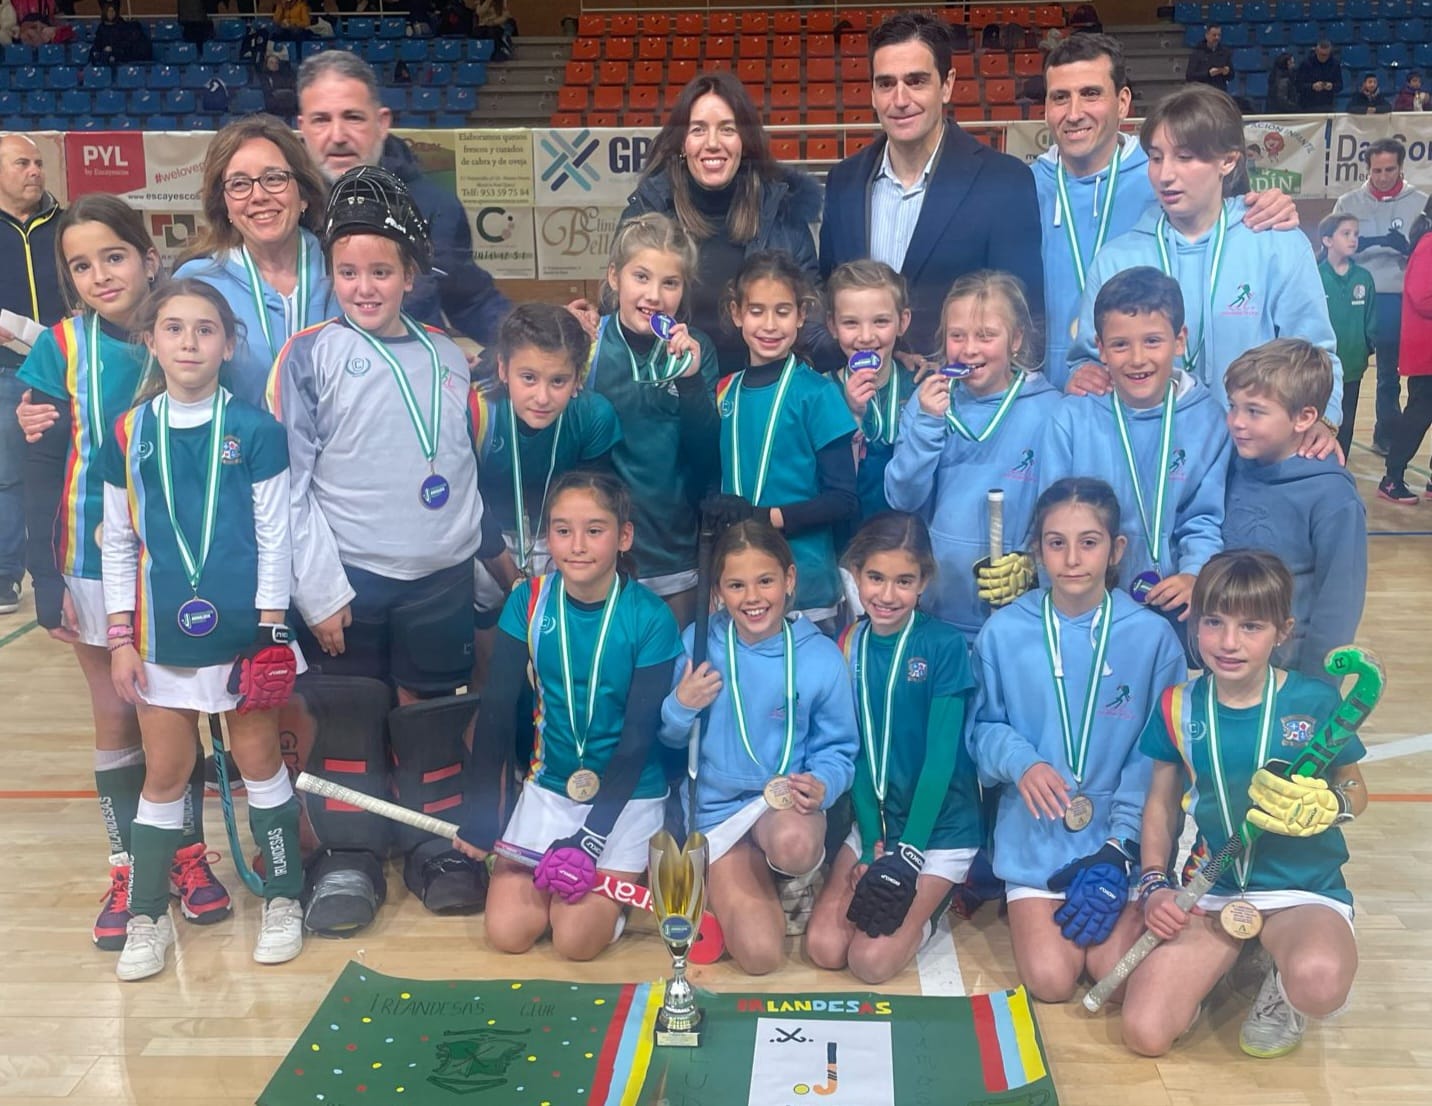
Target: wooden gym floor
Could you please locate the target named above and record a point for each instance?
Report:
(214, 1026)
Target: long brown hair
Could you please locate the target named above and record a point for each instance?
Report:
(220, 234)
(118, 216)
(668, 152)
(146, 318)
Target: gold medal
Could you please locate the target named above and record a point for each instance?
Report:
(1241, 919)
(1079, 813)
(583, 785)
(778, 793)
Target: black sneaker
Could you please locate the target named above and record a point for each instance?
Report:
(1396, 491)
(9, 597)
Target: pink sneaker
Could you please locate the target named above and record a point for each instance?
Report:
(109, 927)
(201, 896)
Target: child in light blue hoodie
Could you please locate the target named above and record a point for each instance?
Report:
(1068, 676)
(778, 747)
(1240, 288)
(1159, 440)
(970, 429)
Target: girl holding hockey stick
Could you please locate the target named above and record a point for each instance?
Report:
(191, 472)
(1221, 745)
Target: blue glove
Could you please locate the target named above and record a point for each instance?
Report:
(1096, 890)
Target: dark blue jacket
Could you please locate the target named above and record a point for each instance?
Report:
(27, 259)
(980, 212)
(456, 287)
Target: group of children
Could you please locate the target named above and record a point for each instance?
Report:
(543, 530)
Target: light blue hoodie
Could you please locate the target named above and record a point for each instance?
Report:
(1088, 197)
(247, 372)
(1268, 287)
(944, 478)
(826, 737)
(1082, 439)
(1016, 725)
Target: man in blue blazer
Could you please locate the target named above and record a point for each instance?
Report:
(925, 197)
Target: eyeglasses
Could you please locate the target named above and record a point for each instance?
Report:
(273, 181)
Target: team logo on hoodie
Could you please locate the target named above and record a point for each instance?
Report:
(1023, 469)
(357, 366)
(1120, 706)
(230, 453)
(1177, 461)
(916, 670)
(1359, 294)
(1244, 302)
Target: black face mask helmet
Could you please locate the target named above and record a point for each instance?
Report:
(371, 200)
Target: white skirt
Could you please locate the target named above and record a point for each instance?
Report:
(541, 817)
(92, 619)
(1269, 901)
(950, 864)
(202, 689)
(722, 838)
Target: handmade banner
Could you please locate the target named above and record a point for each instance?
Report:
(1287, 154)
(376, 1038)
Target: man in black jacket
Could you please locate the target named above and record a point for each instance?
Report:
(1319, 79)
(28, 215)
(1210, 62)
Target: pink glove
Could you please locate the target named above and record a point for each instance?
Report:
(569, 867)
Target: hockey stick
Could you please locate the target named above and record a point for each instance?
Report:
(1317, 755)
(709, 944)
(226, 798)
(995, 499)
(704, 544)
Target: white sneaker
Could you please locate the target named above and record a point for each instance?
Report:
(1272, 1028)
(280, 932)
(146, 943)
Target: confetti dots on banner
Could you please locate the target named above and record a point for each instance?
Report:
(588, 1055)
(347, 998)
(377, 1064)
(599, 1002)
(351, 1047)
(517, 986)
(367, 1020)
(387, 1040)
(361, 1088)
(531, 1059)
(399, 1090)
(364, 978)
(493, 1021)
(314, 1046)
(337, 1071)
(405, 995)
(297, 1071)
(333, 1027)
(320, 1097)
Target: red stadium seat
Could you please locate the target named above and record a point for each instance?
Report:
(983, 17)
(566, 119)
(785, 70)
(669, 96)
(592, 26)
(786, 149)
(855, 94)
(613, 73)
(786, 46)
(686, 47)
(963, 66)
(1005, 112)
(974, 114)
(855, 69)
(819, 46)
(967, 94)
(820, 95)
(1028, 63)
(999, 91)
(721, 23)
(784, 119)
(651, 48)
(855, 45)
(751, 71)
(785, 95)
(1018, 14)
(580, 72)
(624, 24)
(573, 98)
(1049, 15)
(994, 63)
(642, 98)
(757, 93)
(755, 23)
(623, 49)
(819, 117)
(608, 98)
(587, 49)
(648, 73)
(655, 25)
(855, 116)
(854, 143)
(719, 65)
(820, 70)
(689, 23)
(1036, 111)
(820, 23)
(718, 46)
(679, 73)
(787, 23)
(600, 119)
(751, 46)
(822, 147)
(639, 119)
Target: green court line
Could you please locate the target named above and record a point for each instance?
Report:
(1410, 468)
(21, 632)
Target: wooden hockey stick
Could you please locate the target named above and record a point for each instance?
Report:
(1319, 753)
(710, 943)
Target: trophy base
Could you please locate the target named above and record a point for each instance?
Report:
(687, 1036)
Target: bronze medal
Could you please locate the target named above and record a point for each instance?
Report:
(1241, 919)
(583, 785)
(778, 793)
(1079, 813)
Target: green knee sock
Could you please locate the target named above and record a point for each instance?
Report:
(275, 830)
(194, 803)
(153, 852)
(119, 790)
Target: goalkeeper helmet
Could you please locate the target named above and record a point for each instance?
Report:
(370, 200)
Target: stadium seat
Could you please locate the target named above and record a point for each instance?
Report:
(751, 71)
(394, 97)
(1323, 11)
(50, 54)
(967, 94)
(478, 49)
(820, 95)
(1247, 58)
(786, 46)
(358, 27)
(607, 98)
(216, 52)
(1255, 84)
(380, 51)
(1270, 36)
(820, 71)
(784, 70)
(624, 24)
(1377, 32)
(591, 25)
(413, 50)
(686, 47)
(689, 23)
(165, 30)
(785, 96)
(1388, 9)
(27, 78)
(1394, 55)
(752, 46)
(162, 77)
(1238, 34)
(1028, 63)
(246, 101)
(854, 69)
(392, 27)
(1357, 55)
(195, 77)
(95, 77)
(435, 73)
(1411, 31)
(427, 100)
(54, 122)
(470, 74)
(754, 23)
(565, 119)
(822, 147)
(654, 25)
(678, 73)
(580, 73)
(621, 49)
(643, 98)
(460, 98)
(1289, 11)
(107, 101)
(613, 73)
(179, 101)
(784, 118)
(820, 22)
(124, 123)
(573, 98)
(17, 55)
(77, 53)
(40, 102)
(1257, 11)
(819, 46)
(1422, 55)
(1339, 32)
(651, 49)
(144, 101)
(1306, 34)
(1192, 35)
(234, 75)
(786, 149)
(59, 78)
(76, 101)
(999, 91)
(855, 94)
(446, 49)
(177, 53)
(994, 64)
(720, 23)
(1222, 12)
(229, 30)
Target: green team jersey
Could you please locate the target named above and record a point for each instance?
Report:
(934, 665)
(254, 449)
(62, 365)
(587, 429)
(879, 430)
(654, 457)
(812, 415)
(1352, 309)
(643, 633)
(1178, 733)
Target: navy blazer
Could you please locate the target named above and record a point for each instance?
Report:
(980, 212)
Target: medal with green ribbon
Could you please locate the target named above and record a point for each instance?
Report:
(767, 441)
(957, 425)
(1080, 811)
(778, 789)
(1061, 189)
(1240, 918)
(886, 421)
(583, 784)
(524, 550)
(1153, 527)
(877, 750)
(434, 491)
(659, 366)
(256, 289)
(95, 392)
(197, 616)
(1193, 359)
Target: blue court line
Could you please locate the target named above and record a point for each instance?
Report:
(1399, 533)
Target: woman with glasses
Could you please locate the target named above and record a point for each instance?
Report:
(263, 199)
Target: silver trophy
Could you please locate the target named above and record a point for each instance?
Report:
(677, 878)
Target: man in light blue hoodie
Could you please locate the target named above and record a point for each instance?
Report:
(1093, 182)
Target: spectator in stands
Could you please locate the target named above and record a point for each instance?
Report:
(276, 79)
(712, 171)
(344, 123)
(119, 41)
(455, 20)
(1386, 207)
(1319, 79)
(37, 21)
(1210, 62)
(925, 197)
(1282, 87)
(1411, 96)
(292, 20)
(1368, 99)
(194, 23)
(9, 23)
(28, 217)
(493, 20)
(421, 18)
(1084, 19)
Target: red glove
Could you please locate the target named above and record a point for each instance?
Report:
(263, 675)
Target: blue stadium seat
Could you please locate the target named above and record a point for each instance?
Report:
(479, 49)
(77, 53)
(1361, 9)
(1340, 32)
(131, 76)
(234, 75)
(1420, 8)
(394, 97)
(1357, 55)
(109, 101)
(1246, 59)
(52, 123)
(40, 102)
(459, 98)
(1187, 13)
(161, 123)
(199, 123)
(1323, 11)
(1271, 35)
(307, 49)
(87, 122)
(357, 28)
(124, 123)
(164, 30)
(1289, 11)
(1376, 32)
(216, 53)
(1237, 34)
(58, 78)
(180, 101)
(1192, 35)
(144, 101)
(50, 54)
(427, 100)
(11, 103)
(437, 74)
(449, 120)
(447, 49)
(76, 101)
(163, 77)
(246, 101)
(15, 54)
(26, 78)
(1255, 84)
(379, 51)
(1422, 55)
(1223, 12)
(178, 53)
(1394, 55)
(413, 50)
(392, 27)
(471, 74)
(1389, 9)
(96, 77)
(1412, 31)
(1306, 34)
(229, 30)
(195, 77)
(1257, 11)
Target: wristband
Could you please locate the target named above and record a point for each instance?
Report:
(1150, 882)
(120, 629)
(1328, 423)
